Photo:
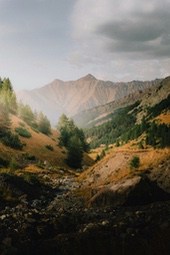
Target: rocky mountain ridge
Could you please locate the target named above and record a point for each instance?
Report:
(72, 97)
(147, 97)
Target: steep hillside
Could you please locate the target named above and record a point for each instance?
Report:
(72, 97)
(38, 149)
(111, 179)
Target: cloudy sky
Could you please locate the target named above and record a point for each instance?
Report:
(118, 40)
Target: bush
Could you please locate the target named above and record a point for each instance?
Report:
(135, 162)
(49, 147)
(11, 140)
(23, 132)
(13, 165)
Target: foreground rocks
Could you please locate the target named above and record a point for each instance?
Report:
(59, 223)
(32, 229)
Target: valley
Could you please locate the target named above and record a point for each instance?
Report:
(61, 195)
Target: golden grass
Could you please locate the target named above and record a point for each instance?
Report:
(118, 165)
(36, 145)
(164, 118)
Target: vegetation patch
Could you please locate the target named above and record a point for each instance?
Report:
(73, 139)
(49, 147)
(11, 140)
(135, 162)
(23, 132)
(108, 133)
(164, 105)
(13, 165)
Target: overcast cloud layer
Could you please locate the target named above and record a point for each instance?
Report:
(41, 40)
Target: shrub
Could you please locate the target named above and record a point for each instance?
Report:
(49, 147)
(135, 162)
(13, 165)
(97, 158)
(11, 140)
(23, 132)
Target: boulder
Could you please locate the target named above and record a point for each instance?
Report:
(139, 190)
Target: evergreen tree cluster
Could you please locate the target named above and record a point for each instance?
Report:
(123, 128)
(160, 107)
(9, 105)
(158, 135)
(73, 139)
(108, 133)
(37, 121)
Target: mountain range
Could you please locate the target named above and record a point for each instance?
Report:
(147, 97)
(73, 97)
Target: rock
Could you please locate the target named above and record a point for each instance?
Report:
(129, 192)
(105, 223)
(2, 217)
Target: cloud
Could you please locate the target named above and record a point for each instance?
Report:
(132, 30)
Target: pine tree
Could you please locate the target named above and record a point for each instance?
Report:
(25, 112)
(7, 96)
(75, 152)
(44, 125)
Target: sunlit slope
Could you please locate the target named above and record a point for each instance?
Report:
(37, 146)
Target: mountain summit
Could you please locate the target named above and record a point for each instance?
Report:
(72, 97)
(88, 77)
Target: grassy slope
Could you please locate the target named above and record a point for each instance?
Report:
(115, 165)
(36, 146)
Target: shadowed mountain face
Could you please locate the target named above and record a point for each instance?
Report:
(72, 97)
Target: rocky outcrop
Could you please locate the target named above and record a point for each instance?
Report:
(130, 192)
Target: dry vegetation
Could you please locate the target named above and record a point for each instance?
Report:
(115, 165)
(164, 118)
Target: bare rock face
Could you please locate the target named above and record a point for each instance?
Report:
(73, 97)
(130, 192)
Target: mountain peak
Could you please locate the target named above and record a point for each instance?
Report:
(88, 77)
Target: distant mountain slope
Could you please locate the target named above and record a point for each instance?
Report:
(147, 97)
(115, 123)
(72, 97)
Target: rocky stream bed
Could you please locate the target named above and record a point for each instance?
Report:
(57, 222)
